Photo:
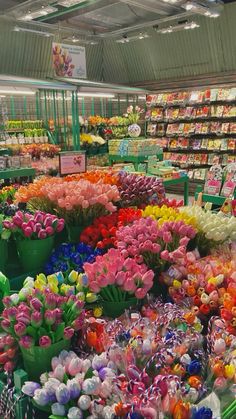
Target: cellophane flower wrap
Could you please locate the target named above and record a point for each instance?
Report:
(136, 190)
(102, 233)
(39, 225)
(117, 278)
(156, 246)
(41, 318)
(68, 256)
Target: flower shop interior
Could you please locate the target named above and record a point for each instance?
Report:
(117, 209)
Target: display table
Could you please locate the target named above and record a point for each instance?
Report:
(213, 199)
(16, 173)
(136, 160)
(178, 181)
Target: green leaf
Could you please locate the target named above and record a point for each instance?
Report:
(59, 332)
(5, 234)
(89, 373)
(42, 332)
(57, 417)
(31, 331)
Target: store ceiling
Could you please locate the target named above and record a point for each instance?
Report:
(102, 18)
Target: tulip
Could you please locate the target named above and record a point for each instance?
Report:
(20, 329)
(42, 234)
(74, 388)
(29, 388)
(58, 409)
(36, 319)
(41, 397)
(62, 394)
(6, 325)
(27, 231)
(68, 332)
(26, 341)
(59, 372)
(50, 317)
(74, 413)
(36, 304)
(45, 341)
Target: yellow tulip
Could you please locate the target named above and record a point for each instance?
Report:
(229, 371)
(42, 278)
(73, 276)
(176, 284)
(39, 285)
(91, 297)
(97, 312)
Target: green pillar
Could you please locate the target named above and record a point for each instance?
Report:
(13, 113)
(64, 118)
(92, 107)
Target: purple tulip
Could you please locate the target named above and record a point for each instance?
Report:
(29, 388)
(77, 324)
(20, 329)
(45, 341)
(50, 317)
(26, 341)
(36, 304)
(11, 313)
(48, 221)
(23, 308)
(41, 397)
(38, 217)
(58, 409)
(36, 319)
(68, 332)
(74, 388)
(7, 301)
(62, 394)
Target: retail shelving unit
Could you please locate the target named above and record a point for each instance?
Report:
(195, 128)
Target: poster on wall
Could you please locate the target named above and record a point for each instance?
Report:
(71, 162)
(69, 60)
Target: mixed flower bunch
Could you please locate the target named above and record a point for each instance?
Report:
(39, 225)
(70, 256)
(77, 388)
(7, 194)
(136, 190)
(41, 150)
(8, 353)
(41, 318)
(96, 176)
(117, 278)
(34, 189)
(102, 232)
(156, 246)
(71, 283)
(133, 114)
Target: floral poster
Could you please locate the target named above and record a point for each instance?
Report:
(69, 60)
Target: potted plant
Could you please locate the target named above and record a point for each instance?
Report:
(133, 116)
(34, 235)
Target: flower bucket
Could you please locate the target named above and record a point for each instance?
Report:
(33, 254)
(38, 360)
(3, 255)
(74, 232)
(116, 309)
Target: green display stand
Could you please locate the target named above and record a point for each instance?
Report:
(74, 232)
(213, 199)
(136, 160)
(37, 360)
(17, 173)
(33, 254)
(3, 255)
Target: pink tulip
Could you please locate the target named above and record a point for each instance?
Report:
(42, 234)
(20, 329)
(49, 231)
(37, 227)
(45, 341)
(26, 341)
(6, 325)
(27, 231)
(36, 304)
(68, 332)
(165, 255)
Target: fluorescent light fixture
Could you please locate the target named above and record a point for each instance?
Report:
(126, 39)
(16, 92)
(212, 14)
(105, 95)
(202, 9)
(191, 25)
(44, 11)
(69, 3)
(19, 29)
(117, 100)
(2, 96)
(142, 97)
(181, 25)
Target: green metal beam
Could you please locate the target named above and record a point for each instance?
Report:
(66, 10)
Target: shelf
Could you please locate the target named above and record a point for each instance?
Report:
(189, 150)
(15, 173)
(192, 136)
(185, 104)
(189, 120)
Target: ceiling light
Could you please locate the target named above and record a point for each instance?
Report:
(74, 39)
(19, 29)
(181, 25)
(17, 92)
(107, 95)
(119, 100)
(189, 6)
(212, 14)
(142, 97)
(203, 9)
(126, 39)
(2, 96)
(69, 3)
(191, 25)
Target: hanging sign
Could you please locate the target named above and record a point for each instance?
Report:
(69, 60)
(71, 162)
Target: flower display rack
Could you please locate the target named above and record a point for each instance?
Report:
(213, 199)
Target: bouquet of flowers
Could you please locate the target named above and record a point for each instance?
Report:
(40, 225)
(70, 256)
(136, 190)
(41, 318)
(77, 388)
(102, 233)
(156, 246)
(118, 279)
(133, 114)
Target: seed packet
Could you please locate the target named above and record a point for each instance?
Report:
(204, 143)
(224, 144)
(223, 94)
(173, 143)
(232, 94)
(189, 112)
(232, 128)
(213, 159)
(205, 128)
(231, 143)
(214, 179)
(151, 129)
(196, 144)
(181, 128)
(214, 95)
(230, 181)
(183, 143)
(200, 174)
(202, 112)
(215, 127)
(198, 128)
(225, 128)
(196, 96)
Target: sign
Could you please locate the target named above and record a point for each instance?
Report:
(72, 162)
(69, 60)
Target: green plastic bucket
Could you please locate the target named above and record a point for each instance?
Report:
(33, 254)
(3, 255)
(37, 360)
(74, 233)
(116, 309)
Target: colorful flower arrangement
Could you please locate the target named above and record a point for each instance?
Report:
(156, 246)
(164, 213)
(102, 232)
(41, 150)
(41, 318)
(116, 278)
(69, 257)
(35, 226)
(7, 194)
(133, 114)
(8, 353)
(136, 190)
